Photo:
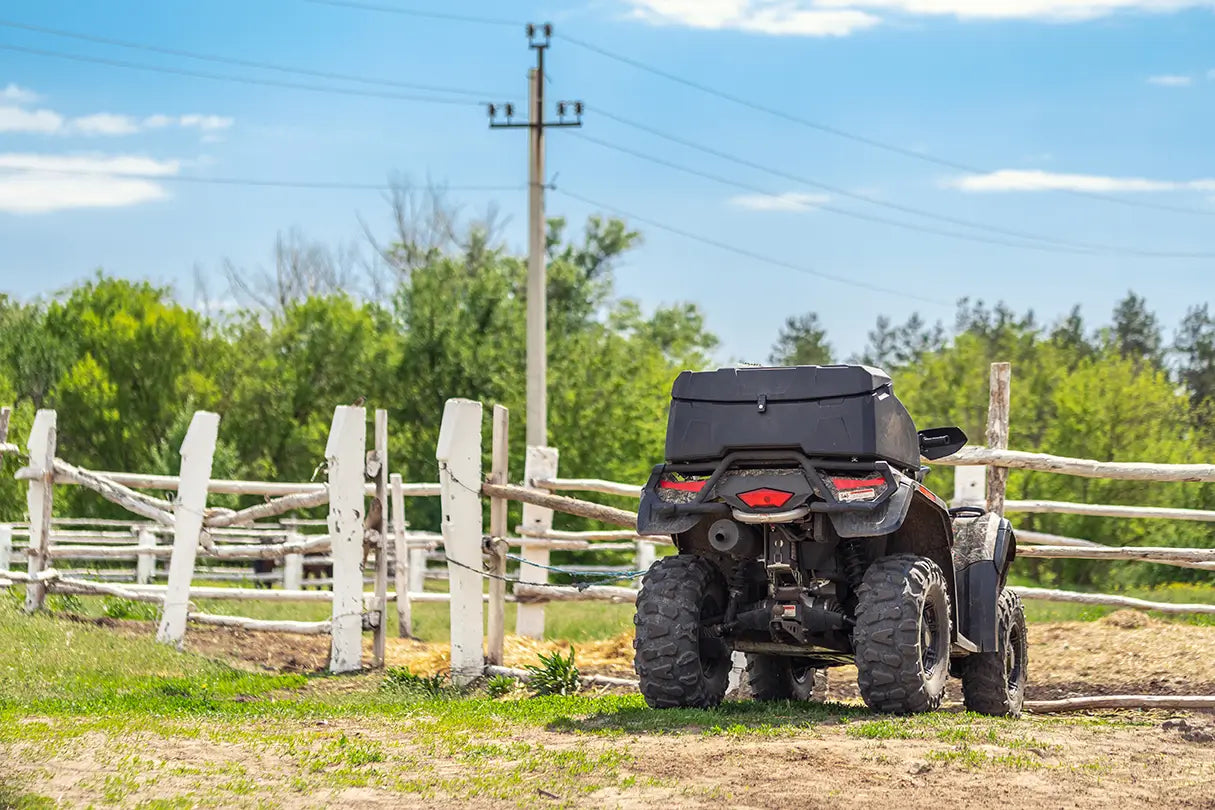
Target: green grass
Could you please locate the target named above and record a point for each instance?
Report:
(1041, 611)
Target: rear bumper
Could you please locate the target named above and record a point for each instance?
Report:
(850, 519)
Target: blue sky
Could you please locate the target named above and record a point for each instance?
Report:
(1045, 97)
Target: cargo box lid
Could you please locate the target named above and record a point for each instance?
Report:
(778, 384)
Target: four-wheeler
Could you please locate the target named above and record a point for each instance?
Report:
(808, 540)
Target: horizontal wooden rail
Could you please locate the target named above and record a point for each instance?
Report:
(263, 625)
(591, 485)
(1084, 704)
(1154, 554)
(560, 503)
(1109, 600)
(527, 593)
(1081, 467)
(1109, 510)
(1027, 541)
(555, 534)
(219, 486)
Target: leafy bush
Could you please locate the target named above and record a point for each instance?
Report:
(499, 686)
(116, 608)
(64, 603)
(400, 679)
(554, 675)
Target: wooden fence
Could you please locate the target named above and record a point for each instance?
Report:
(473, 554)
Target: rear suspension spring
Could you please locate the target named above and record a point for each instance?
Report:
(853, 554)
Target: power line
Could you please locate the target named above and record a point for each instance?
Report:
(242, 62)
(1034, 237)
(416, 12)
(339, 185)
(829, 208)
(750, 254)
(237, 79)
(853, 136)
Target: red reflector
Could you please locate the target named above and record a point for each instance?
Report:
(856, 483)
(765, 498)
(682, 486)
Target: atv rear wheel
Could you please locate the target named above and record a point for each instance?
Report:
(902, 636)
(678, 664)
(780, 677)
(994, 682)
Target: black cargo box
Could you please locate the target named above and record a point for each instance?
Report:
(833, 411)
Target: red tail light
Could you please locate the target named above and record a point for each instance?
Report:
(682, 486)
(843, 484)
(849, 489)
(765, 498)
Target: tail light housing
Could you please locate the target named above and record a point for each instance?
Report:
(674, 488)
(765, 498)
(855, 489)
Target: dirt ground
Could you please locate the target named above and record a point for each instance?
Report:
(1098, 760)
(1124, 653)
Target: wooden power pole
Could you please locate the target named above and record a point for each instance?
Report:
(539, 38)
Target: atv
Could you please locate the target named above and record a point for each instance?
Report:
(807, 540)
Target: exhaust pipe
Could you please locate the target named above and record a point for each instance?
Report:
(733, 538)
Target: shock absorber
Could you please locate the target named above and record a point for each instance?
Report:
(853, 556)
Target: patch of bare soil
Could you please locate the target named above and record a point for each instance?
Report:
(1126, 652)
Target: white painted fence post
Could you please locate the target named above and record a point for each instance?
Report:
(293, 566)
(969, 486)
(40, 499)
(345, 456)
(6, 546)
(459, 457)
(400, 558)
(197, 453)
(540, 464)
(417, 569)
(647, 552)
(145, 564)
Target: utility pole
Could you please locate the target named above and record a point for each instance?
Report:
(538, 39)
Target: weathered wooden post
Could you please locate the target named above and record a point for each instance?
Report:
(197, 453)
(500, 456)
(380, 633)
(997, 433)
(540, 465)
(145, 563)
(40, 500)
(345, 458)
(400, 556)
(459, 457)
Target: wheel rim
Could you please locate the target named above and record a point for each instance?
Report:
(930, 639)
(801, 674)
(1014, 664)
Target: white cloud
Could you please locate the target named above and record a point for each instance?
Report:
(207, 123)
(89, 164)
(21, 95)
(1170, 81)
(14, 118)
(39, 193)
(788, 201)
(1037, 180)
(17, 119)
(40, 183)
(844, 17)
(779, 17)
(104, 124)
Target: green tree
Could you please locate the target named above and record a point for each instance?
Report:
(802, 342)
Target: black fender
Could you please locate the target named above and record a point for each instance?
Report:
(885, 519)
(653, 518)
(984, 548)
